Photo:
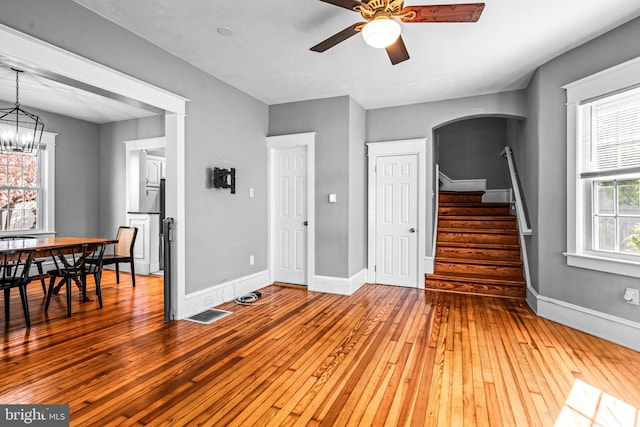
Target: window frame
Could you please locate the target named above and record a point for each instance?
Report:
(46, 172)
(622, 77)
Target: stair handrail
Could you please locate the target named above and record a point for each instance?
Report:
(435, 211)
(523, 225)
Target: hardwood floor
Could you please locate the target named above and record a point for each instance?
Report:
(384, 356)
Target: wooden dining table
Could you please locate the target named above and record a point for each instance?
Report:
(44, 246)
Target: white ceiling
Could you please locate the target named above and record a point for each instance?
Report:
(268, 54)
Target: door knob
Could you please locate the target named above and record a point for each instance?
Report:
(412, 230)
(305, 223)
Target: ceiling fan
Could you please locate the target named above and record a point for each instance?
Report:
(381, 29)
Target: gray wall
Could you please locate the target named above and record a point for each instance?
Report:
(77, 174)
(330, 119)
(471, 149)
(222, 123)
(546, 153)
(113, 175)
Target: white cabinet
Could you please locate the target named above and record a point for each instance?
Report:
(154, 171)
(152, 200)
(146, 252)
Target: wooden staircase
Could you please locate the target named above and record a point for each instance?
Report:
(477, 248)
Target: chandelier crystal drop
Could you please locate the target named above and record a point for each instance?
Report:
(20, 131)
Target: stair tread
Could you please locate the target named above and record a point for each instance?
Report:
(510, 218)
(474, 204)
(481, 261)
(462, 193)
(477, 230)
(474, 245)
(478, 278)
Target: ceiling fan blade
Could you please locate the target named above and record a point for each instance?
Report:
(337, 38)
(468, 12)
(397, 51)
(347, 4)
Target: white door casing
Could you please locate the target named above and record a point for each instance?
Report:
(290, 216)
(376, 151)
(305, 141)
(397, 220)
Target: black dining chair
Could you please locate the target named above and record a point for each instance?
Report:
(14, 273)
(73, 264)
(37, 262)
(123, 251)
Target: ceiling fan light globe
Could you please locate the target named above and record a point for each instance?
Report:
(381, 33)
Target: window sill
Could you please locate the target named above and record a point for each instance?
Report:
(604, 264)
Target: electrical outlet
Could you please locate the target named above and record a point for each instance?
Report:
(632, 296)
(252, 260)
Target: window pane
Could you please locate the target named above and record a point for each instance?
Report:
(605, 232)
(605, 198)
(630, 235)
(4, 199)
(14, 176)
(31, 210)
(30, 173)
(629, 197)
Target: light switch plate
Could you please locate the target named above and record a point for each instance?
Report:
(333, 198)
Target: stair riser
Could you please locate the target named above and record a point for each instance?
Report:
(505, 239)
(488, 270)
(464, 198)
(507, 225)
(477, 289)
(479, 210)
(477, 253)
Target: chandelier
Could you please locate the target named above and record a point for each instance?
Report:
(20, 131)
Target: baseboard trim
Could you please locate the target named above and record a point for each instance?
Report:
(339, 285)
(226, 291)
(429, 266)
(602, 325)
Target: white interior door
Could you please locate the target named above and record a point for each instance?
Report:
(397, 220)
(290, 215)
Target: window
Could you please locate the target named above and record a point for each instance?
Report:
(19, 192)
(27, 191)
(603, 171)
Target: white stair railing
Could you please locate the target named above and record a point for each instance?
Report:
(523, 227)
(436, 203)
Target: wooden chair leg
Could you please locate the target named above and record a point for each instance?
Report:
(25, 305)
(133, 274)
(117, 273)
